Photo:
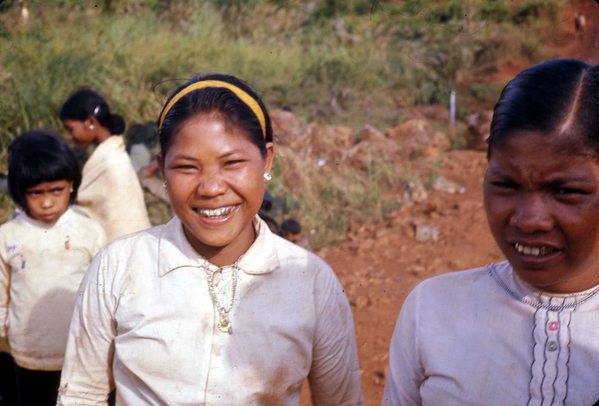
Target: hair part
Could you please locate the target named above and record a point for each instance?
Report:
(39, 156)
(215, 100)
(557, 98)
(85, 103)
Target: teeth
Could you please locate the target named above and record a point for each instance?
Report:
(534, 251)
(223, 211)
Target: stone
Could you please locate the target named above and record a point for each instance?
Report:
(361, 155)
(368, 133)
(478, 128)
(417, 139)
(284, 126)
(442, 184)
(329, 142)
(414, 193)
(427, 233)
(361, 302)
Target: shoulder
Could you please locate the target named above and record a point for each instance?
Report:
(83, 221)
(456, 280)
(129, 243)
(292, 255)
(455, 291)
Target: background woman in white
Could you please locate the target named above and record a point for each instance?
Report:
(212, 308)
(110, 192)
(524, 331)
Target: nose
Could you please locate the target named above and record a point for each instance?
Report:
(531, 215)
(211, 184)
(47, 202)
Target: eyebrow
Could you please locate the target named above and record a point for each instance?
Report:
(554, 182)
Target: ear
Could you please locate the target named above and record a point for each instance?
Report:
(159, 162)
(89, 121)
(270, 156)
(71, 187)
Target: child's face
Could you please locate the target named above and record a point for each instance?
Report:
(79, 132)
(48, 201)
(215, 182)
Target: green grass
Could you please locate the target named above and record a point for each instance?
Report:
(408, 53)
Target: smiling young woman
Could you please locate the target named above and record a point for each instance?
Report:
(212, 308)
(524, 331)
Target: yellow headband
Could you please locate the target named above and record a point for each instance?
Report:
(246, 98)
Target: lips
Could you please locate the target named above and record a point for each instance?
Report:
(216, 215)
(535, 254)
(213, 213)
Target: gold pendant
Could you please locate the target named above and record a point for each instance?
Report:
(225, 326)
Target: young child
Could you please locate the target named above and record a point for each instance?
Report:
(291, 230)
(44, 253)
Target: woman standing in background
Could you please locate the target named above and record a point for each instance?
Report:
(110, 191)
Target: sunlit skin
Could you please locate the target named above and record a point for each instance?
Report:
(86, 132)
(544, 191)
(48, 201)
(211, 165)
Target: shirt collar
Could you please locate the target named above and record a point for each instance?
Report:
(31, 222)
(174, 251)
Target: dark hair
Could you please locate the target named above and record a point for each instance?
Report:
(291, 225)
(556, 95)
(213, 99)
(39, 156)
(84, 103)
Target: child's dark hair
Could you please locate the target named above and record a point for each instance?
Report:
(84, 103)
(559, 96)
(215, 99)
(292, 226)
(39, 156)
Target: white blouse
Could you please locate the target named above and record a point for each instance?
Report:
(146, 324)
(485, 337)
(110, 192)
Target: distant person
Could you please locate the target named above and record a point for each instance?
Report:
(44, 253)
(211, 308)
(523, 331)
(291, 230)
(110, 190)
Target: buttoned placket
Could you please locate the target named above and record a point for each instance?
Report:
(551, 353)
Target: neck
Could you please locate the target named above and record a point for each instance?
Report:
(227, 255)
(102, 135)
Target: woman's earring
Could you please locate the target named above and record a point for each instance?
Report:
(71, 190)
(164, 184)
(91, 127)
(267, 176)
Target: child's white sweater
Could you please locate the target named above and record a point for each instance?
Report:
(41, 267)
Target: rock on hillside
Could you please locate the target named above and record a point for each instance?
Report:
(478, 130)
(417, 139)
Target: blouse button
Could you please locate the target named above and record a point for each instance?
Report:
(552, 346)
(554, 325)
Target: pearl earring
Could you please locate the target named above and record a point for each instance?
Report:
(267, 176)
(91, 127)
